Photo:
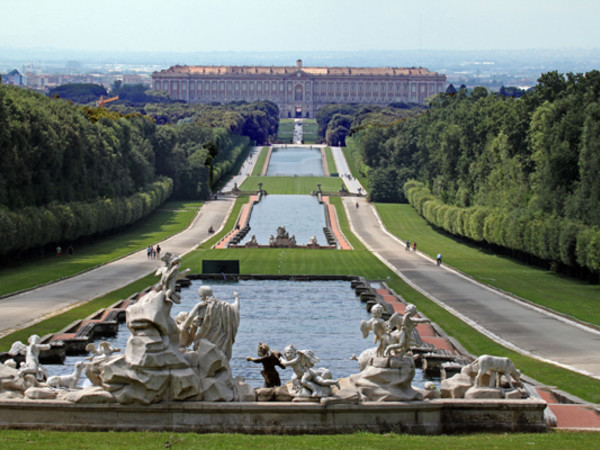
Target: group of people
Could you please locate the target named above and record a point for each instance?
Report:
(414, 246)
(153, 252)
(414, 249)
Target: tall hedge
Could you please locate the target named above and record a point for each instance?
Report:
(547, 237)
(37, 226)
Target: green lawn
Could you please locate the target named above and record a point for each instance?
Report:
(260, 162)
(330, 161)
(286, 131)
(292, 185)
(169, 219)
(310, 131)
(20, 439)
(566, 295)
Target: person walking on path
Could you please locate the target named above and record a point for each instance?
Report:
(439, 259)
(415, 246)
(158, 251)
(149, 251)
(407, 246)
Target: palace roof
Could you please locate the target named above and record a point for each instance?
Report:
(283, 70)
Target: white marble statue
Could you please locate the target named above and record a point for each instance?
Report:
(32, 365)
(169, 274)
(401, 341)
(496, 367)
(252, 241)
(215, 320)
(67, 381)
(379, 328)
(307, 381)
(103, 350)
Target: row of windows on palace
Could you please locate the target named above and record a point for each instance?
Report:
(323, 87)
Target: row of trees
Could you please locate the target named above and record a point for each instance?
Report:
(527, 165)
(535, 238)
(61, 162)
(66, 222)
(336, 122)
(259, 121)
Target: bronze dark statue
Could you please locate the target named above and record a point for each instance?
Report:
(269, 360)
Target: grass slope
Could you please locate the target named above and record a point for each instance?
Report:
(260, 161)
(330, 161)
(169, 219)
(566, 295)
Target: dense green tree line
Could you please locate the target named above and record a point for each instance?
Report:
(519, 173)
(37, 226)
(337, 121)
(258, 121)
(61, 162)
(79, 92)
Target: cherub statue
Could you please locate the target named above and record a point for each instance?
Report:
(307, 381)
(402, 342)
(252, 241)
(31, 366)
(379, 328)
(103, 350)
(269, 360)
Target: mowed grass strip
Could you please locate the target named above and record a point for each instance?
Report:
(19, 439)
(169, 219)
(286, 131)
(291, 185)
(310, 131)
(260, 161)
(330, 161)
(559, 293)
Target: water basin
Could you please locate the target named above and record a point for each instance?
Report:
(322, 316)
(300, 161)
(302, 216)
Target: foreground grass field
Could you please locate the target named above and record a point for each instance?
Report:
(19, 439)
(566, 295)
(169, 219)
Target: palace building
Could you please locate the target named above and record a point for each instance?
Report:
(299, 91)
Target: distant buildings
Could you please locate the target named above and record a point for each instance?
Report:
(15, 78)
(299, 91)
(45, 81)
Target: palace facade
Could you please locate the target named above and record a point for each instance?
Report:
(299, 91)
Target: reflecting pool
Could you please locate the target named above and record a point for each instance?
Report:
(292, 161)
(322, 316)
(302, 216)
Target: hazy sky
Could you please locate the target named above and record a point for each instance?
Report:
(310, 25)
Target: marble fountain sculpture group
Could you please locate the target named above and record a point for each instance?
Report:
(187, 359)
